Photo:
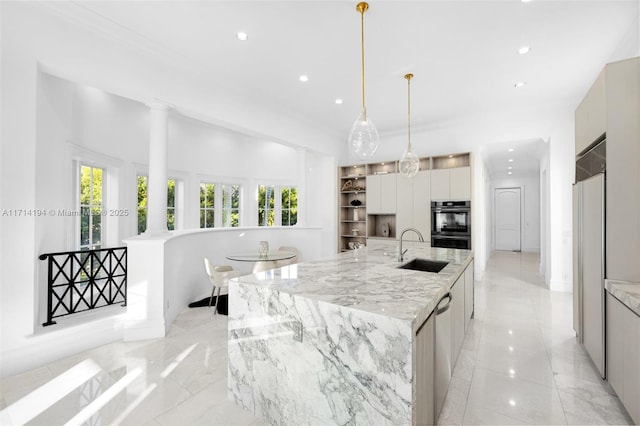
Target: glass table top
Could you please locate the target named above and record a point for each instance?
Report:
(257, 257)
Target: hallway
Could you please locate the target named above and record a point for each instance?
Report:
(520, 364)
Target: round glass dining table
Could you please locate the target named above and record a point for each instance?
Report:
(272, 256)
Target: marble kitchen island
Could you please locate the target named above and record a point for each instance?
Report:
(333, 341)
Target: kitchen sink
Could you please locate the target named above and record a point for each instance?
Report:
(424, 265)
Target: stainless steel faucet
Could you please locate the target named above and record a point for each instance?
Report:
(400, 252)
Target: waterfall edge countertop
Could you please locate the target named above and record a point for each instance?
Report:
(369, 280)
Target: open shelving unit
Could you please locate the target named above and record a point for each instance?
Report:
(352, 203)
(355, 222)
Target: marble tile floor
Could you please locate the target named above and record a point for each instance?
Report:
(520, 364)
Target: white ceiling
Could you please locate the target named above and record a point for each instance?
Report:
(463, 53)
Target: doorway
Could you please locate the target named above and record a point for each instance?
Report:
(507, 219)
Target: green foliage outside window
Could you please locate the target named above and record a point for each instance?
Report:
(171, 204)
(142, 204)
(230, 205)
(90, 207)
(289, 206)
(266, 204)
(207, 194)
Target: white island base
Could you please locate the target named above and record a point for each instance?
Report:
(334, 341)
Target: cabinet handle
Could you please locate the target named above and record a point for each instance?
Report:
(446, 307)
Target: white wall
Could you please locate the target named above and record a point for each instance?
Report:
(481, 209)
(529, 185)
(158, 294)
(553, 124)
(49, 124)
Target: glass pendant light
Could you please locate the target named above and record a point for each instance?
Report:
(409, 163)
(363, 138)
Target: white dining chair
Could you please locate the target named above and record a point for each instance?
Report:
(291, 261)
(219, 277)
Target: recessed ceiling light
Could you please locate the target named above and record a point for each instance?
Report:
(338, 101)
(304, 78)
(510, 173)
(510, 150)
(511, 160)
(242, 36)
(509, 168)
(519, 84)
(524, 50)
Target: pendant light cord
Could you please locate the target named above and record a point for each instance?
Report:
(362, 50)
(362, 7)
(409, 77)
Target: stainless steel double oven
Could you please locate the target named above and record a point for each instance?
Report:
(451, 224)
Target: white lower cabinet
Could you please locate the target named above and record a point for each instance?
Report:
(424, 380)
(623, 355)
(469, 284)
(457, 315)
(437, 345)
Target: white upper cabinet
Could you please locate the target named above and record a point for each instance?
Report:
(591, 115)
(413, 203)
(440, 189)
(373, 194)
(451, 184)
(422, 203)
(460, 183)
(381, 194)
(388, 194)
(612, 107)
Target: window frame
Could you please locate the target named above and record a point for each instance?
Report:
(223, 209)
(202, 211)
(288, 208)
(80, 206)
(277, 205)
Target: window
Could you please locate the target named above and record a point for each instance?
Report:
(91, 207)
(230, 206)
(171, 204)
(289, 206)
(142, 204)
(227, 198)
(266, 201)
(277, 206)
(207, 195)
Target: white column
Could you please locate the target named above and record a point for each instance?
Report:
(158, 161)
(302, 187)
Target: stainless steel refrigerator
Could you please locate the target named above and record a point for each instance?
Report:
(589, 256)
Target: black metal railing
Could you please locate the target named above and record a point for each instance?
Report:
(79, 281)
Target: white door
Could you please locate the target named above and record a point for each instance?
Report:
(507, 219)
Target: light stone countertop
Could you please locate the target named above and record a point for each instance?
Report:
(626, 292)
(369, 280)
